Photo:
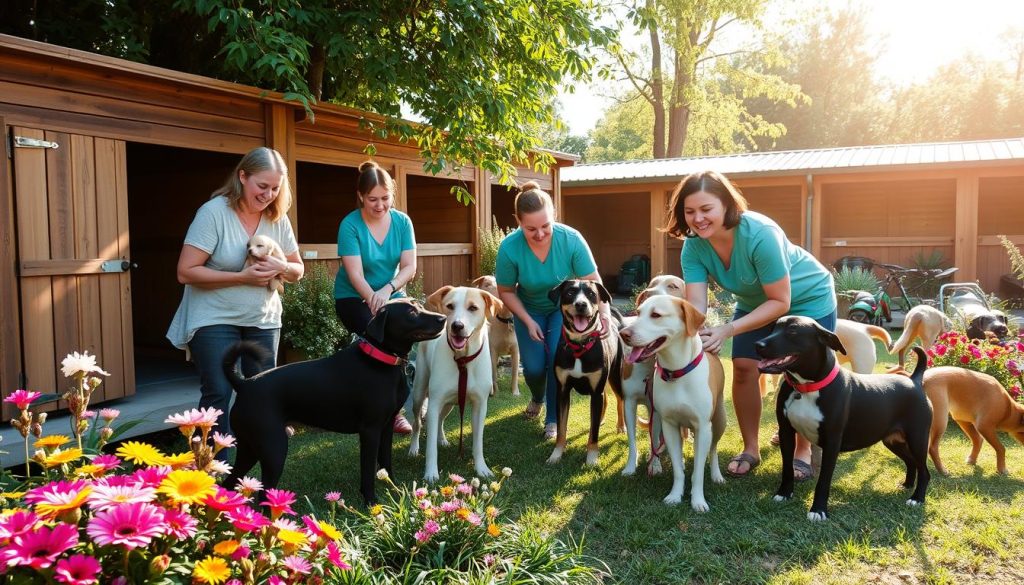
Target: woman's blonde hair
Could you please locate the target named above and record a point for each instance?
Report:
(371, 176)
(710, 182)
(532, 198)
(255, 161)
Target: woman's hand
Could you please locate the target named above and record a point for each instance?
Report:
(258, 274)
(378, 298)
(714, 338)
(536, 333)
(278, 265)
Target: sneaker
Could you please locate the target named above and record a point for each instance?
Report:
(402, 426)
(550, 431)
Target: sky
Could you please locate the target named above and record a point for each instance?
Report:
(918, 36)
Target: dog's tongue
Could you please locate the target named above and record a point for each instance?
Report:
(768, 363)
(635, 354)
(458, 342)
(580, 322)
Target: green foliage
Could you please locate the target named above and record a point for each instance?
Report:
(1016, 257)
(414, 289)
(309, 323)
(849, 280)
(721, 305)
(926, 286)
(487, 249)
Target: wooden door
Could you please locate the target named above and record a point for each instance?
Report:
(71, 206)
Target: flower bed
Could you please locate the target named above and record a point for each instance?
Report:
(1003, 361)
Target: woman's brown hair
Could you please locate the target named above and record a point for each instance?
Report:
(532, 198)
(255, 161)
(370, 177)
(709, 182)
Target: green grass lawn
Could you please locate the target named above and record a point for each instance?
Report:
(968, 531)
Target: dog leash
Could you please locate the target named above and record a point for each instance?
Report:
(813, 386)
(655, 451)
(463, 383)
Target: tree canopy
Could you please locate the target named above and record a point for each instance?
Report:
(477, 74)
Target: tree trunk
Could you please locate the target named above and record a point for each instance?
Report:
(317, 64)
(679, 109)
(657, 87)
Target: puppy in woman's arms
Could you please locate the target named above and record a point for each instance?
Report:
(260, 247)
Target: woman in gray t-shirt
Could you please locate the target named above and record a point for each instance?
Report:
(224, 300)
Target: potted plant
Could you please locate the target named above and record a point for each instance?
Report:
(848, 282)
(309, 327)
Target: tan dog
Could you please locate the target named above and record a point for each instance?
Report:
(459, 357)
(979, 404)
(502, 337)
(688, 388)
(924, 323)
(260, 247)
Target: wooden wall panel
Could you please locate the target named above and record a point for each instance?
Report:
(924, 207)
(1001, 206)
(436, 215)
(10, 306)
(616, 226)
(782, 204)
(438, 271)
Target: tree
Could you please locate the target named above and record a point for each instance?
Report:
(684, 66)
(477, 74)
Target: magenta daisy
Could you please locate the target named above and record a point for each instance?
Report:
(77, 570)
(129, 525)
(334, 555)
(39, 548)
(22, 398)
(224, 500)
(108, 496)
(456, 478)
(17, 523)
(58, 496)
(312, 525)
(246, 519)
(223, 441)
(279, 501)
(108, 462)
(332, 496)
(180, 525)
(150, 476)
(297, 564)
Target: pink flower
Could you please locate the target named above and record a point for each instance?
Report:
(464, 489)
(456, 478)
(1015, 391)
(90, 414)
(275, 580)
(940, 349)
(197, 417)
(150, 476)
(931, 362)
(180, 525)
(58, 496)
(77, 570)
(17, 523)
(22, 398)
(223, 441)
(224, 500)
(975, 352)
(109, 414)
(424, 504)
(279, 501)
(332, 496)
(431, 527)
(249, 485)
(473, 519)
(1013, 366)
(246, 519)
(108, 496)
(488, 559)
(130, 525)
(108, 462)
(242, 552)
(39, 549)
(420, 493)
(421, 536)
(297, 564)
(334, 555)
(965, 359)
(451, 506)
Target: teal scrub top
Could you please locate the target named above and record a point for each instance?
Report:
(380, 261)
(517, 266)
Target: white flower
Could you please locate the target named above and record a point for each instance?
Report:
(475, 482)
(382, 474)
(217, 467)
(77, 363)
(506, 471)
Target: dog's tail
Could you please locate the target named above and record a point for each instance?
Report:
(246, 348)
(920, 367)
(880, 334)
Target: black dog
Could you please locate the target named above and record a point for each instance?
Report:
(588, 356)
(980, 319)
(359, 389)
(839, 410)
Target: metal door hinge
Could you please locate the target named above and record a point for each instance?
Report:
(23, 142)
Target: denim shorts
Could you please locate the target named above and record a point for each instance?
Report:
(743, 344)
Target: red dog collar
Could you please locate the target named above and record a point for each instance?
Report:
(813, 386)
(669, 375)
(578, 349)
(380, 356)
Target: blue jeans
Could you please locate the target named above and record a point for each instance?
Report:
(538, 359)
(208, 346)
(743, 344)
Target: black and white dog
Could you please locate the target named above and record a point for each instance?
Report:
(980, 319)
(840, 410)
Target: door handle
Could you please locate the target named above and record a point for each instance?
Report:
(123, 265)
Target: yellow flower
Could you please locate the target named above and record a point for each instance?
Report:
(140, 453)
(376, 510)
(56, 506)
(492, 511)
(51, 441)
(211, 570)
(291, 537)
(493, 530)
(462, 513)
(226, 548)
(188, 486)
(430, 513)
(447, 491)
(11, 496)
(329, 531)
(89, 470)
(179, 460)
(61, 457)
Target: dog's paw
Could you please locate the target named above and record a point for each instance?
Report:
(780, 498)
(699, 505)
(673, 499)
(970, 461)
(716, 475)
(431, 476)
(592, 457)
(817, 516)
(629, 470)
(1004, 471)
(414, 450)
(515, 393)
(914, 503)
(443, 440)
(654, 467)
(556, 456)
(484, 472)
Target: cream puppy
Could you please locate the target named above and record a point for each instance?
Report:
(688, 388)
(458, 360)
(502, 337)
(260, 247)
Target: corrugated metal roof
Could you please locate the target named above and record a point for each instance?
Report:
(801, 161)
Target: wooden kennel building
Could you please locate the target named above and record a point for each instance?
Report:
(889, 203)
(106, 162)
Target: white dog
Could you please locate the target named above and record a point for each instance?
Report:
(688, 388)
(458, 360)
(502, 337)
(637, 379)
(258, 248)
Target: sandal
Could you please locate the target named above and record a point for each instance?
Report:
(802, 471)
(751, 461)
(532, 410)
(775, 438)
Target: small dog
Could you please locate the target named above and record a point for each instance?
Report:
(924, 323)
(358, 390)
(260, 247)
(979, 404)
(502, 337)
(980, 320)
(842, 411)
(588, 357)
(688, 388)
(455, 369)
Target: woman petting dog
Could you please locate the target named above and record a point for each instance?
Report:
(226, 300)
(748, 255)
(531, 261)
(377, 245)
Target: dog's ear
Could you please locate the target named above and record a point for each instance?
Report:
(602, 292)
(830, 339)
(555, 293)
(493, 304)
(479, 281)
(643, 296)
(434, 300)
(375, 328)
(693, 318)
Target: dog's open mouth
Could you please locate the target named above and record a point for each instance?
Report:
(457, 341)
(641, 353)
(581, 323)
(775, 365)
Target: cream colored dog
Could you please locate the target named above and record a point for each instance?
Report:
(636, 380)
(259, 247)
(688, 388)
(502, 337)
(924, 323)
(456, 363)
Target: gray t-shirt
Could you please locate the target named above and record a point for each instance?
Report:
(218, 231)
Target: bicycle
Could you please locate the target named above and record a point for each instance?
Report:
(896, 275)
(874, 307)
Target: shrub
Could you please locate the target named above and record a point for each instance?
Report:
(849, 280)
(309, 323)
(1003, 361)
(490, 239)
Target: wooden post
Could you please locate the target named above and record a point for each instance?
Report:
(482, 217)
(556, 192)
(817, 212)
(10, 313)
(659, 248)
(965, 240)
(279, 133)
